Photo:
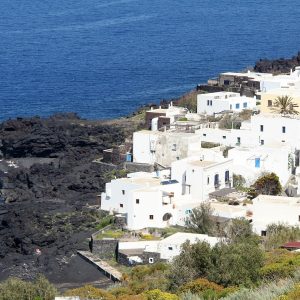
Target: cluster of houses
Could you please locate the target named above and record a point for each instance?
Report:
(188, 173)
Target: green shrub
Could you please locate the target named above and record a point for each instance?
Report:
(159, 295)
(18, 289)
(90, 292)
(200, 285)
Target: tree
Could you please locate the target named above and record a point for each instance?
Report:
(285, 106)
(201, 219)
(279, 234)
(238, 181)
(239, 230)
(267, 184)
(236, 263)
(193, 262)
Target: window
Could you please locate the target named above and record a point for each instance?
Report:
(210, 102)
(123, 192)
(257, 162)
(207, 102)
(262, 142)
(227, 176)
(151, 217)
(226, 82)
(237, 106)
(137, 201)
(261, 128)
(207, 179)
(299, 218)
(263, 233)
(238, 140)
(204, 134)
(174, 147)
(151, 260)
(170, 248)
(224, 137)
(283, 129)
(270, 103)
(121, 205)
(245, 104)
(230, 106)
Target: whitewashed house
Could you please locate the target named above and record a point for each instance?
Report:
(160, 202)
(199, 177)
(226, 211)
(262, 129)
(274, 209)
(163, 147)
(143, 252)
(280, 81)
(213, 103)
(147, 202)
(161, 117)
(252, 162)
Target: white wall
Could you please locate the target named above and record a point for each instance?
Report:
(251, 134)
(217, 102)
(275, 209)
(271, 159)
(163, 147)
(194, 178)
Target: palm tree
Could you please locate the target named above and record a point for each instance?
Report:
(285, 105)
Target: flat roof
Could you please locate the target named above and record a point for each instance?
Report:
(269, 199)
(202, 163)
(150, 181)
(181, 237)
(283, 91)
(247, 74)
(223, 207)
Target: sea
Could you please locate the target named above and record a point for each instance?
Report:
(105, 58)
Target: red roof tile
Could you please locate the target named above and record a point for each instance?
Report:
(292, 245)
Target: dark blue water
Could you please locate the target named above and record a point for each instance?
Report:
(104, 58)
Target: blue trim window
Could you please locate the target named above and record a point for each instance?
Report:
(237, 106)
(257, 162)
(245, 105)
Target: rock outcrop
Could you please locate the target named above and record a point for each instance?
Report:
(277, 66)
(47, 178)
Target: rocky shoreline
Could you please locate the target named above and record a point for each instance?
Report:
(47, 182)
(48, 179)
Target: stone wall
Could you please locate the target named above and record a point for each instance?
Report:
(106, 248)
(132, 167)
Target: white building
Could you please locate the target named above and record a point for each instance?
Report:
(160, 202)
(214, 103)
(252, 162)
(274, 209)
(280, 81)
(263, 81)
(148, 201)
(167, 248)
(199, 177)
(160, 117)
(163, 147)
(262, 129)
(227, 211)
